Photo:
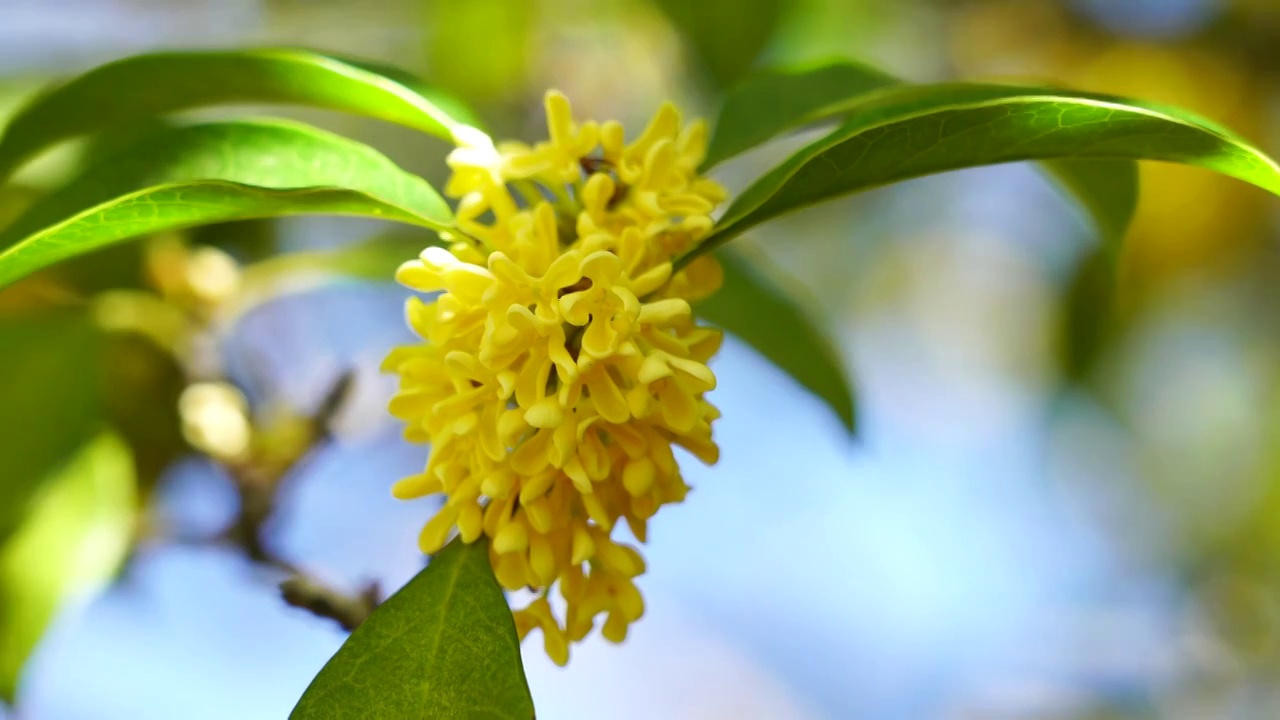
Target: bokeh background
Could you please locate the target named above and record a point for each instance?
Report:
(1005, 539)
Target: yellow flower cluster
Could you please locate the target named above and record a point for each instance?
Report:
(561, 361)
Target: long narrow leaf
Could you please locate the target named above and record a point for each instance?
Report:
(155, 84)
(214, 173)
(919, 130)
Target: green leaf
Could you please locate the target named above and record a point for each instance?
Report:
(49, 383)
(444, 646)
(777, 101)
(772, 102)
(214, 173)
(142, 86)
(726, 35)
(67, 548)
(760, 308)
(1106, 189)
(911, 131)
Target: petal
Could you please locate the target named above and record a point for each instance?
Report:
(665, 312)
(542, 560)
(436, 531)
(512, 537)
(606, 396)
(546, 413)
(638, 476)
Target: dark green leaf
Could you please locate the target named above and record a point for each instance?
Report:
(772, 102)
(50, 402)
(758, 310)
(139, 87)
(911, 131)
(444, 646)
(726, 35)
(1108, 189)
(214, 173)
(68, 546)
(776, 101)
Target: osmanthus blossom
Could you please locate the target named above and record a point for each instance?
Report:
(560, 361)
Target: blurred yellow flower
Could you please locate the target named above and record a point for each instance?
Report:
(561, 361)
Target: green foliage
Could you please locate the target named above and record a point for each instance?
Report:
(726, 35)
(1108, 189)
(444, 646)
(774, 101)
(213, 173)
(51, 405)
(911, 131)
(762, 310)
(70, 543)
(144, 86)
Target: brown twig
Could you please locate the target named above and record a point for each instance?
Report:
(348, 610)
(258, 485)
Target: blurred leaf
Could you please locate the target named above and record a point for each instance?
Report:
(1088, 306)
(754, 306)
(726, 35)
(375, 258)
(214, 173)
(919, 130)
(774, 101)
(141, 399)
(69, 545)
(142, 86)
(49, 402)
(444, 646)
(507, 27)
(1108, 189)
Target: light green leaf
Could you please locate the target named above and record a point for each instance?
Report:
(67, 548)
(444, 646)
(912, 131)
(214, 173)
(726, 35)
(761, 309)
(772, 102)
(49, 402)
(142, 86)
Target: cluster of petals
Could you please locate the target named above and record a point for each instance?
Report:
(560, 361)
